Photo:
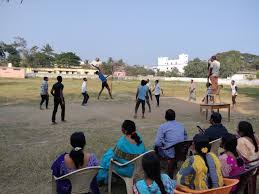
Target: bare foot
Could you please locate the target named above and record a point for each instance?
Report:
(53, 123)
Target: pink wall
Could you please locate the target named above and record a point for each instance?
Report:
(12, 72)
(119, 74)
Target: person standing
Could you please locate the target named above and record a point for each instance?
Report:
(192, 91)
(44, 92)
(233, 93)
(157, 90)
(104, 82)
(84, 92)
(141, 94)
(57, 92)
(148, 94)
(213, 73)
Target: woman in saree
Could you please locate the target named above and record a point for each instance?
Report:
(202, 170)
(247, 143)
(128, 147)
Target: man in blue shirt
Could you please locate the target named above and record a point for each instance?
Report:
(141, 94)
(104, 82)
(168, 134)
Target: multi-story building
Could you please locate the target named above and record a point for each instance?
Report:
(166, 64)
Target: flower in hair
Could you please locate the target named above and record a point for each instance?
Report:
(204, 150)
(77, 149)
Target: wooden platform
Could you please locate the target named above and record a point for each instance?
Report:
(214, 106)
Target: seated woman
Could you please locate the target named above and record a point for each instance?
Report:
(247, 144)
(128, 147)
(231, 163)
(76, 159)
(154, 182)
(202, 170)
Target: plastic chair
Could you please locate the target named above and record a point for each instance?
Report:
(229, 183)
(80, 179)
(137, 162)
(215, 145)
(247, 179)
(181, 151)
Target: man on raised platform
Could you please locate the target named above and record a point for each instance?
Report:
(216, 130)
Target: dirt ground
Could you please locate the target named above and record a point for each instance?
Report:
(29, 143)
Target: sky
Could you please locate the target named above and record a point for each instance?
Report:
(138, 31)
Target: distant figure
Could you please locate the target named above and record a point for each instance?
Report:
(44, 92)
(84, 92)
(192, 91)
(57, 92)
(104, 82)
(69, 162)
(158, 91)
(216, 130)
(213, 73)
(168, 134)
(208, 98)
(141, 94)
(154, 182)
(148, 94)
(233, 93)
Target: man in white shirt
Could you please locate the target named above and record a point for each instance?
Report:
(213, 73)
(192, 91)
(84, 92)
(44, 92)
(157, 90)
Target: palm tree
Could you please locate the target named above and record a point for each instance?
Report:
(47, 49)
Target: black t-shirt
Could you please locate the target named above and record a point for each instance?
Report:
(57, 87)
(215, 131)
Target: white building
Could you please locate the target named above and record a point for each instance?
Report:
(166, 64)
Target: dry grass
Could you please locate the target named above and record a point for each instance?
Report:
(29, 144)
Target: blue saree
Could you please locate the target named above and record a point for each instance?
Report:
(122, 147)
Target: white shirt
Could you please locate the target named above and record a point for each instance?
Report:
(148, 85)
(233, 90)
(84, 87)
(192, 87)
(157, 89)
(215, 65)
(44, 88)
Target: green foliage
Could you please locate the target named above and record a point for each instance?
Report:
(257, 74)
(174, 73)
(233, 61)
(42, 60)
(138, 70)
(67, 59)
(196, 68)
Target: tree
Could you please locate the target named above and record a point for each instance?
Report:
(196, 68)
(47, 49)
(67, 59)
(42, 60)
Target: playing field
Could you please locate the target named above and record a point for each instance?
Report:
(29, 143)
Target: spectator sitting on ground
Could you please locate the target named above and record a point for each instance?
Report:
(247, 144)
(76, 159)
(168, 134)
(129, 146)
(202, 170)
(154, 182)
(216, 130)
